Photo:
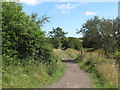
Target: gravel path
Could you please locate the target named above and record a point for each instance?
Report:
(74, 77)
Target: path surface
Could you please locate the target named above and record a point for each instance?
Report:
(74, 77)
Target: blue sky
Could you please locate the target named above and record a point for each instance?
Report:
(71, 15)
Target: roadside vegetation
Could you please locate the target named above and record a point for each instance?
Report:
(103, 71)
(28, 60)
(101, 51)
(32, 74)
(31, 59)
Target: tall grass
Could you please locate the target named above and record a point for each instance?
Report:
(68, 53)
(32, 75)
(0, 71)
(72, 53)
(103, 71)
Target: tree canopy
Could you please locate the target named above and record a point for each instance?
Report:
(101, 33)
(57, 33)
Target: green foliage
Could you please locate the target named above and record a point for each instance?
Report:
(91, 64)
(79, 58)
(57, 35)
(40, 21)
(34, 75)
(72, 53)
(53, 67)
(59, 40)
(56, 42)
(22, 34)
(101, 34)
(65, 43)
(70, 42)
(17, 32)
(117, 55)
(28, 59)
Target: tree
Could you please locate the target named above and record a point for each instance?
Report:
(57, 36)
(101, 34)
(40, 21)
(90, 33)
(57, 33)
(71, 42)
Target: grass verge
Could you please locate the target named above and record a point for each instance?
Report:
(103, 71)
(32, 75)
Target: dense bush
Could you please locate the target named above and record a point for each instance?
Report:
(65, 43)
(58, 39)
(28, 59)
(56, 36)
(31, 74)
(70, 42)
(22, 35)
(100, 69)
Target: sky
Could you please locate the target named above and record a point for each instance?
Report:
(70, 15)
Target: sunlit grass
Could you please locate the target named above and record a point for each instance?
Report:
(72, 52)
(68, 53)
(30, 76)
(104, 71)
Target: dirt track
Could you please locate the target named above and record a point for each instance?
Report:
(74, 77)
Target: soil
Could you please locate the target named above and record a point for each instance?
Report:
(74, 77)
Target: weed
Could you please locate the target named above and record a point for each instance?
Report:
(103, 71)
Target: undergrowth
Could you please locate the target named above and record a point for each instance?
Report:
(103, 71)
(32, 75)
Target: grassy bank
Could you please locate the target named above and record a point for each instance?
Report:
(32, 74)
(68, 53)
(103, 71)
(36, 74)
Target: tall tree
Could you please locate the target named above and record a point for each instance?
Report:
(90, 33)
(57, 33)
(101, 33)
(40, 21)
(57, 36)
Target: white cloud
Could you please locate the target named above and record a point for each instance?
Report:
(30, 2)
(34, 2)
(66, 8)
(90, 13)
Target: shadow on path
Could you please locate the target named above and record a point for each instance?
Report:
(69, 61)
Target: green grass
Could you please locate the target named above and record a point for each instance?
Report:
(0, 71)
(71, 53)
(37, 75)
(103, 71)
(31, 76)
(68, 53)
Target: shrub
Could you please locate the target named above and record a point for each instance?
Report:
(79, 58)
(100, 69)
(117, 55)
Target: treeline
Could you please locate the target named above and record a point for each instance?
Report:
(102, 34)
(23, 37)
(57, 38)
